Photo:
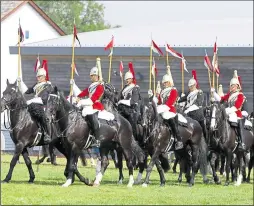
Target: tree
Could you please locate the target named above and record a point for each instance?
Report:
(89, 15)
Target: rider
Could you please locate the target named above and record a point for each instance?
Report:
(92, 105)
(235, 99)
(194, 99)
(167, 100)
(128, 105)
(41, 89)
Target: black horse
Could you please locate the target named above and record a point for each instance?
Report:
(24, 130)
(75, 129)
(223, 139)
(49, 153)
(160, 141)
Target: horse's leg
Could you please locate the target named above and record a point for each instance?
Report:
(213, 166)
(52, 154)
(18, 150)
(129, 158)
(69, 168)
(161, 173)
(113, 156)
(175, 163)
(194, 163)
(141, 169)
(150, 168)
(181, 165)
(241, 168)
(104, 164)
(120, 165)
(228, 163)
(39, 161)
(222, 167)
(29, 165)
(250, 165)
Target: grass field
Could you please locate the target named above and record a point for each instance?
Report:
(47, 189)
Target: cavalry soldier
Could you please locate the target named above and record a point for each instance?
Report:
(92, 105)
(167, 100)
(41, 90)
(235, 99)
(194, 102)
(129, 100)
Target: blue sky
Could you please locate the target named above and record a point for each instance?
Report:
(138, 13)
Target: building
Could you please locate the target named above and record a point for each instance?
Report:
(36, 26)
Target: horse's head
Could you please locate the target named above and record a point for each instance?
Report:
(217, 115)
(53, 104)
(10, 95)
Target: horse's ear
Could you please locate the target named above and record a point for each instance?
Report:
(7, 82)
(55, 90)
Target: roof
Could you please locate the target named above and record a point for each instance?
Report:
(9, 7)
(230, 33)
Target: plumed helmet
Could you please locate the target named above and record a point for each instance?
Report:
(128, 75)
(94, 71)
(220, 90)
(167, 78)
(41, 72)
(234, 81)
(192, 82)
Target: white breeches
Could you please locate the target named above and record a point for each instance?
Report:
(88, 110)
(232, 117)
(164, 111)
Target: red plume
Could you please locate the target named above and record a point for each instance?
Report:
(194, 74)
(132, 71)
(240, 82)
(45, 66)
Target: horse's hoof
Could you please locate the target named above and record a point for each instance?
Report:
(144, 185)
(37, 162)
(4, 181)
(54, 163)
(206, 181)
(174, 171)
(96, 184)
(30, 182)
(226, 184)
(190, 185)
(218, 182)
(247, 180)
(120, 182)
(162, 185)
(129, 185)
(180, 180)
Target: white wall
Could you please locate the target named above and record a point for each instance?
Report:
(39, 29)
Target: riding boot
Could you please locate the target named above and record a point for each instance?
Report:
(45, 128)
(173, 123)
(95, 127)
(241, 145)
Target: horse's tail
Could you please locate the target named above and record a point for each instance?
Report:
(138, 152)
(164, 163)
(203, 149)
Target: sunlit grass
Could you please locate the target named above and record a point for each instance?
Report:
(47, 189)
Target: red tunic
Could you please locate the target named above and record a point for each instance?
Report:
(171, 100)
(95, 97)
(238, 103)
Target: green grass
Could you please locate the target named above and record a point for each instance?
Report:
(47, 189)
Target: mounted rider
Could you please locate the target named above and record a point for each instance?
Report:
(194, 102)
(235, 99)
(166, 100)
(129, 100)
(92, 105)
(37, 105)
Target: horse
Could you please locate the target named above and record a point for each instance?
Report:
(160, 141)
(223, 138)
(75, 129)
(47, 151)
(24, 129)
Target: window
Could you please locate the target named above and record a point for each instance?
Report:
(27, 34)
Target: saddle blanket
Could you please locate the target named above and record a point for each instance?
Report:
(248, 125)
(106, 115)
(182, 119)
